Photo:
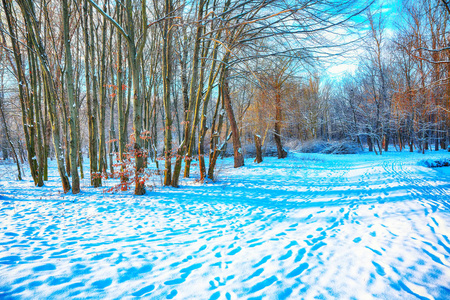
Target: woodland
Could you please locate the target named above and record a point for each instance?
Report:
(144, 87)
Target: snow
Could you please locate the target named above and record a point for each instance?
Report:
(308, 226)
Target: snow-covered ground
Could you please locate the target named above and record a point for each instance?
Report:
(310, 226)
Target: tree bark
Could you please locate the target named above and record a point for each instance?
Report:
(258, 158)
(73, 107)
(167, 70)
(277, 130)
(30, 22)
(238, 157)
(183, 148)
(96, 176)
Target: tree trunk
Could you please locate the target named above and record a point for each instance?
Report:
(277, 130)
(87, 68)
(5, 126)
(120, 104)
(238, 157)
(32, 27)
(24, 94)
(183, 148)
(215, 135)
(102, 163)
(96, 176)
(73, 107)
(203, 127)
(258, 158)
(369, 143)
(166, 71)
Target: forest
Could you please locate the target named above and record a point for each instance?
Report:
(225, 149)
(144, 87)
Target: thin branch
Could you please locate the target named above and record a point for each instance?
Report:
(109, 18)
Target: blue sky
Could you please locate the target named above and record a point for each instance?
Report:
(339, 66)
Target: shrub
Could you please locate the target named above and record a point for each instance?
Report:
(341, 148)
(443, 162)
(314, 146)
(125, 170)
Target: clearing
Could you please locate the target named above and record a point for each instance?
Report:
(310, 226)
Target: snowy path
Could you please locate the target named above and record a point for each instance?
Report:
(324, 226)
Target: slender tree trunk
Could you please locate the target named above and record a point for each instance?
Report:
(112, 138)
(199, 98)
(203, 127)
(238, 157)
(278, 119)
(40, 152)
(215, 134)
(73, 107)
(102, 163)
(95, 107)
(8, 137)
(120, 103)
(87, 67)
(24, 94)
(32, 103)
(166, 71)
(183, 148)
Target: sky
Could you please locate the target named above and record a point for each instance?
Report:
(348, 63)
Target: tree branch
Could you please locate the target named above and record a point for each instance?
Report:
(109, 18)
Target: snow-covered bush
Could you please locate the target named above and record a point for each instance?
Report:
(430, 163)
(341, 148)
(249, 150)
(314, 146)
(319, 146)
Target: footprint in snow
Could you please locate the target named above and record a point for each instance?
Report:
(218, 281)
(133, 273)
(318, 245)
(34, 284)
(215, 296)
(10, 260)
(80, 269)
(256, 244)
(101, 256)
(172, 294)
(174, 281)
(263, 284)
(58, 280)
(255, 274)
(101, 284)
(59, 254)
(235, 251)
(262, 261)
(297, 271)
(75, 285)
(379, 269)
(374, 251)
(144, 291)
(187, 271)
(200, 249)
(13, 234)
(292, 243)
(286, 256)
(46, 267)
(300, 254)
